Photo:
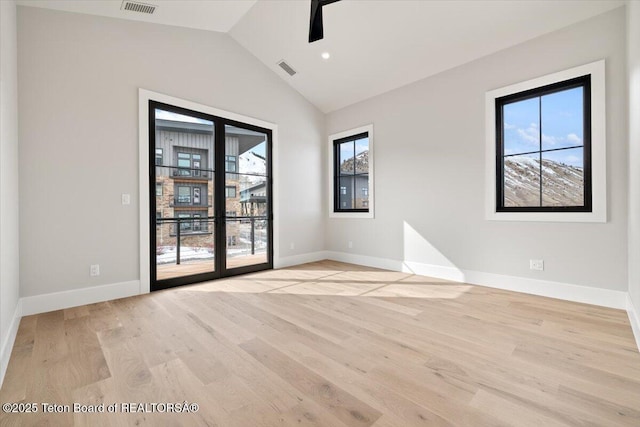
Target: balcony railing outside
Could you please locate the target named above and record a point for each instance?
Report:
(184, 172)
(189, 173)
(252, 231)
(189, 201)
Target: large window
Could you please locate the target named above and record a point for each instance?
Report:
(190, 164)
(184, 163)
(351, 164)
(230, 163)
(189, 194)
(192, 222)
(546, 148)
(184, 195)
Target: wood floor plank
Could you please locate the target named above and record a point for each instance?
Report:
(100, 392)
(381, 303)
(301, 415)
(600, 408)
(560, 364)
(276, 392)
(75, 312)
(331, 344)
(21, 355)
(347, 408)
(512, 413)
(399, 410)
(176, 384)
(305, 319)
(16, 387)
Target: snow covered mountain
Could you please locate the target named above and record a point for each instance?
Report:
(562, 185)
(361, 162)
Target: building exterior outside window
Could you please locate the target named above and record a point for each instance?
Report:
(184, 187)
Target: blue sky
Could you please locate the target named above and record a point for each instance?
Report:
(561, 125)
(362, 145)
(346, 150)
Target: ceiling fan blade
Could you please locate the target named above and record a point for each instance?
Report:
(316, 30)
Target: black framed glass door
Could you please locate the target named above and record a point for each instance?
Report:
(247, 204)
(210, 197)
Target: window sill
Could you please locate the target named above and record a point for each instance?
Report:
(595, 216)
(360, 215)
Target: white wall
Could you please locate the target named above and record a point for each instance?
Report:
(633, 58)
(78, 99)
(9, 266)
(430, 169)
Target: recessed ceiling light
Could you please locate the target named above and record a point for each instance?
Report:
(325, 55)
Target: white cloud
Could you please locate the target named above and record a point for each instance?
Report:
(530, 134)
(572, 137)
(550, 140)
(508, 126)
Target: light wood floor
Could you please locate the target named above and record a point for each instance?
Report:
(331, 344)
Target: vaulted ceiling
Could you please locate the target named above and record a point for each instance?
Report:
(374, 45)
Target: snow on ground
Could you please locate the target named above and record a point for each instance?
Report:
(187, 253)
(167, 254)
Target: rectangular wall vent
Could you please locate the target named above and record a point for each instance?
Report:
(286, 67)
(134, 6)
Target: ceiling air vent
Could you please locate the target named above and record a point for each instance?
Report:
(287, 68)
(135, 6)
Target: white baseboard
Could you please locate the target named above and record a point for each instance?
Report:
(76, 297)
(565, 291)
(9, 339)
(369, 261)
(559, 290)
(439, 271)
(634, 319)
(299, 259)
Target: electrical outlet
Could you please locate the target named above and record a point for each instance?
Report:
(292, 246)
(126, 199)
(350, 244)
(536, 264)
(94, 270)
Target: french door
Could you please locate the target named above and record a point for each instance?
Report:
(210, 197)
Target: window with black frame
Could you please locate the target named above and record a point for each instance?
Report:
(543, 155)
(351, 173)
